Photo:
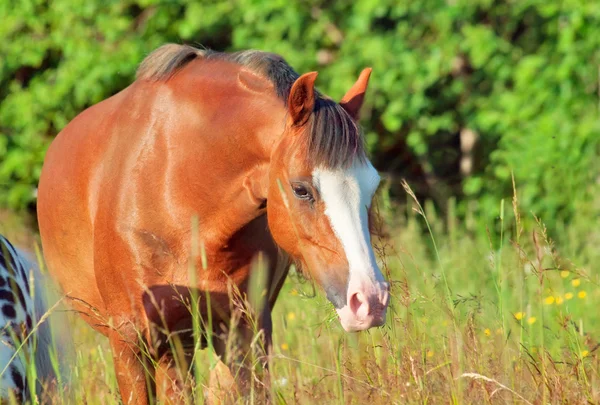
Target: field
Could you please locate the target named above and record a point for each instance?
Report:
(480, 313)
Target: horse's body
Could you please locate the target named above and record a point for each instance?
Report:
(218, 137)
(22, 345)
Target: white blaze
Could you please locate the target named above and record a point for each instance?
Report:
(347, 194)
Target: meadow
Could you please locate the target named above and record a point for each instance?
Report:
(480, 313)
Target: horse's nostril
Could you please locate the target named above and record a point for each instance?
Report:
(359, 304)
(354, 303)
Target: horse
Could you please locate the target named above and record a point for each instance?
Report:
(236, 148)
(24, 342)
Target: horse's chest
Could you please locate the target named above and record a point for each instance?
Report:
(180, 289)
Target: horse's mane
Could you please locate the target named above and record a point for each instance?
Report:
(335, 140)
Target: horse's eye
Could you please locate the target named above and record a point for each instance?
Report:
(301, 191)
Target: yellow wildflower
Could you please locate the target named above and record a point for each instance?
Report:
(584, 353)
(568, 296)
(487, 332)
(531, 320)
(429, 353)
(549, 300)
(291, 316)
(575, 282)
(294, 292)
(284, 346)
(559, 300)
(582, 294)
(519, 315)
(564, 274)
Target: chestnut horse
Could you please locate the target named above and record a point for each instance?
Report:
(242, 143)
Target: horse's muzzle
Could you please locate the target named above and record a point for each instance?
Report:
(366, 306)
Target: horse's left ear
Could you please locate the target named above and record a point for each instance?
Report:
(353, 100)
(301, 101)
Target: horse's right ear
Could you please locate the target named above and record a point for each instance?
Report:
(354, 98)
(301, 101)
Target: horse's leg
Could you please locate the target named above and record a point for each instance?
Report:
(129, 367)
(241, 363)
(222, 387)
(172, 379)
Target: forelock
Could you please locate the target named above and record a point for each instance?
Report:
(334, 139)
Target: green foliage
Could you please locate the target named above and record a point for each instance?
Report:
(522, 76)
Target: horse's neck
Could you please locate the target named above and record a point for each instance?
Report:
(244, 128)
(239, 205)
(218, 149)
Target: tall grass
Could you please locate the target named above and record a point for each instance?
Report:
(479, 313)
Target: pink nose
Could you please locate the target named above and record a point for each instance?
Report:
(366, 308)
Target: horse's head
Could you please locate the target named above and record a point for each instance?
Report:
(320, 193)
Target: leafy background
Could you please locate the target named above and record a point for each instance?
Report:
(499, 87)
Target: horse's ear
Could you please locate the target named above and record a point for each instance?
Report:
(354, 98)
(301, 101)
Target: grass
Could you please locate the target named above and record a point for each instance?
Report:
(480, 313)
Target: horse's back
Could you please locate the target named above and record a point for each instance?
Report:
(68, 191)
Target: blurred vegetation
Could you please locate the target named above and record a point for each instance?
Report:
(463, 92)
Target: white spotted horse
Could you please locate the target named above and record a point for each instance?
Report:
(24, 343)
